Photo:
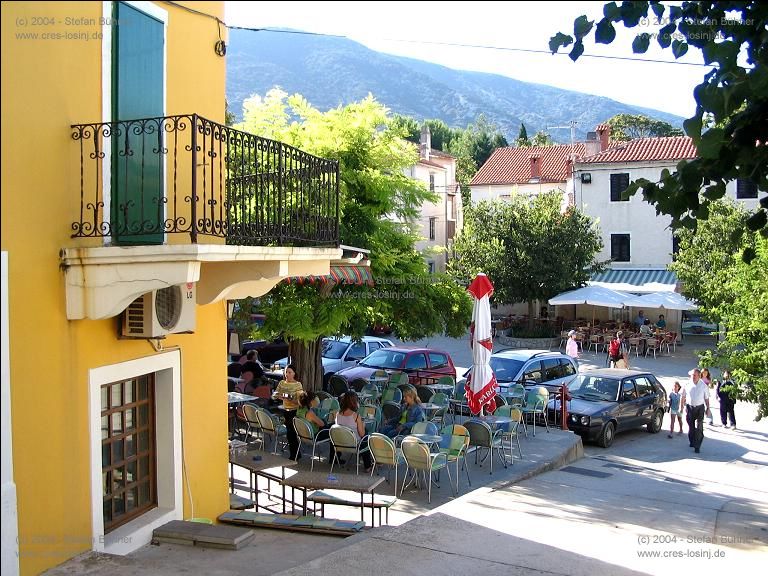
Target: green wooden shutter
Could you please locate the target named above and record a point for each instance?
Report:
(138, 187)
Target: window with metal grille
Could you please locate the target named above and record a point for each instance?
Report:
(620, 247)
(619, 183)
(128, 470)
(432, 222)
(745, 188)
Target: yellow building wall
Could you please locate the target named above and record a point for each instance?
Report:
(47, 85)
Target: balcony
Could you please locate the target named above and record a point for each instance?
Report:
(143, 179)
(178, 199)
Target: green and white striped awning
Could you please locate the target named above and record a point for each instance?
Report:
(638, 280)
(347, 274)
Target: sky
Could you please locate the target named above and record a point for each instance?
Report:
(448, 33)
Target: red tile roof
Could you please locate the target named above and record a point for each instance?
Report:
(645, 149)
(513, 165)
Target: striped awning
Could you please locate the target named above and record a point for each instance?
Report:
(346, 274)
(636, 280)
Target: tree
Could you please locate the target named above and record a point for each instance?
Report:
(626, 127)
(734, 94)
(377, 201)
(732, 293)
(542, 139)
(529, 248)
(522, 137)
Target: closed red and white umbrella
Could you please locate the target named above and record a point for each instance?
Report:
(481, 384)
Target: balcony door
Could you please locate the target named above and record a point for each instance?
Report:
(138, 74)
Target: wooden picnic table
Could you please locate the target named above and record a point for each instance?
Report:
(262, 464)
(322, 481)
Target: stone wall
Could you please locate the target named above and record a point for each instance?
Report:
(529, 343)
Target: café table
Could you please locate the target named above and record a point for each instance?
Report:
(239, 398)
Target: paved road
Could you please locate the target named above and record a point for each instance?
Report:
(647, 504)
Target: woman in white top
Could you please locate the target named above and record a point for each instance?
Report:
(348, 416)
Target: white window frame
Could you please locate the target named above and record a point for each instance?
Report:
(170, 506)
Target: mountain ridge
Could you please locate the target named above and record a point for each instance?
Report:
(331, 72)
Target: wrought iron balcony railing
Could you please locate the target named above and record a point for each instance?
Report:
(142, 179)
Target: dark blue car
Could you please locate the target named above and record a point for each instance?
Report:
(607, 401)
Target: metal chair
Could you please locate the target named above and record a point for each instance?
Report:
(391, 395)
(424, 428)
(358, 384)
(271, 426)
(345, 442)
(306, 434)
(338, 385)
(441, 400)
(385, 453)
(424, 393)
(536, 403)
(456, 444)
(419, 458)
(481, 436)
(253, 428)
(516, 415)
(390, 411)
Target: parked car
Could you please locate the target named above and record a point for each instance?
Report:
(611, 400)
(530, 368)
(344, 352)
(694, 324)
(423, 365)
(269, 351)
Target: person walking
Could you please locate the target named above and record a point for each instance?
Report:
(572, 348)
(696, 399)
(615, 352)
(675, 410)
(727, 401)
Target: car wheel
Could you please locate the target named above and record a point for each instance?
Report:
(654, 426)
(327, 380)
(606, 436)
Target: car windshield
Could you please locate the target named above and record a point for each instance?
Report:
(333, 349)
(382, 358)
(505, 369)
(591, 387)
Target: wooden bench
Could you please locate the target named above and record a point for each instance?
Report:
(237, 502)
(349, 498)
(293, 522)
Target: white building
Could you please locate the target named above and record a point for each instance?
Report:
(634, 236)
(442, 220)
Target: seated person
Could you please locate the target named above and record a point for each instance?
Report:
(308, 401)
(645, 329)
(410, 414)
(349, 417)
(661, 324)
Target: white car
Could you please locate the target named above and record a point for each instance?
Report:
(531, 368)
(343, 352)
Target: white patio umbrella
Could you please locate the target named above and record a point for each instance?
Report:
(666, 300)
(481, 384)
(596, 296)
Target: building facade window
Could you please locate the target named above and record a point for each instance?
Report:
(432, 222)
(431, 266)
(128, 470)
(745, 188)
(619, 183)
(620, 247)
(431, 182)
(675, 246)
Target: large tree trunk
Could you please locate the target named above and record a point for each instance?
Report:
(305, 356)
(531, 315)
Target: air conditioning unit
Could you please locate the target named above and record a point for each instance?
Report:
(167, 311)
